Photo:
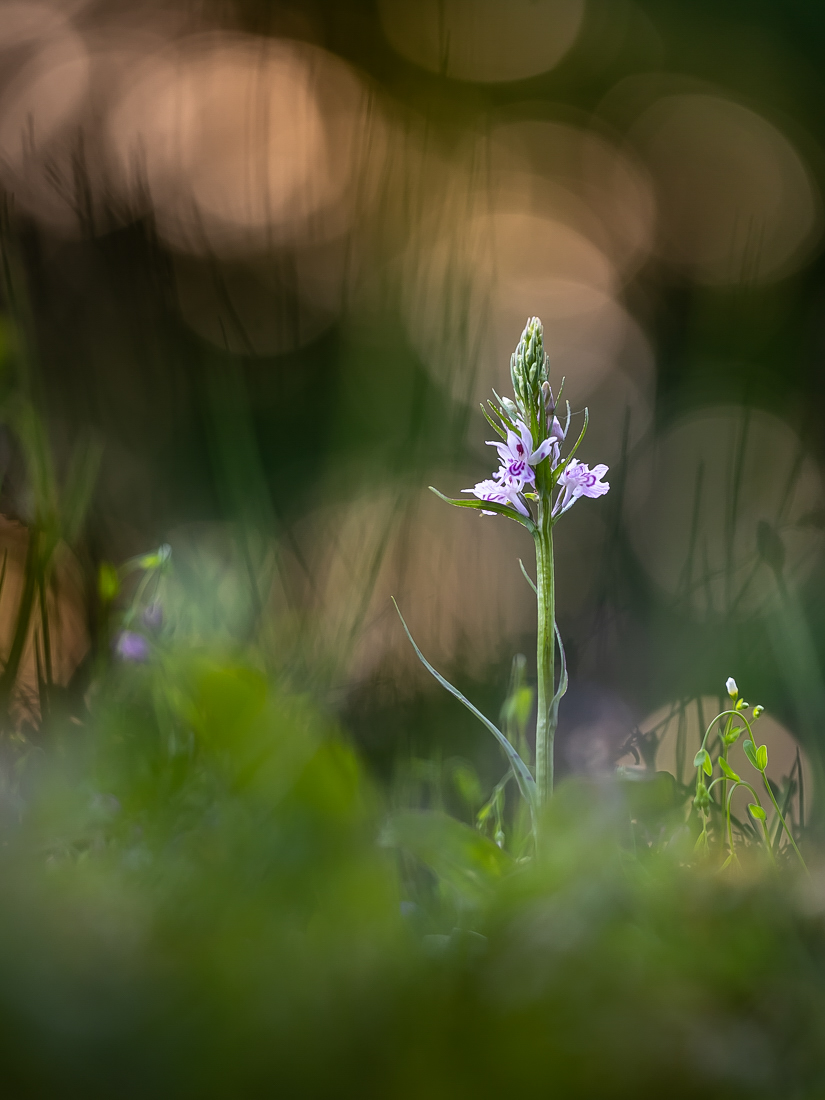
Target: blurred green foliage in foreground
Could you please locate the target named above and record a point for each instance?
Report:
(204, 895)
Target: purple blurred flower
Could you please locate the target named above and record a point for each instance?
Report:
(153, 617)
(578, 480)
(131, 646)
(517, 456)
(500, 492)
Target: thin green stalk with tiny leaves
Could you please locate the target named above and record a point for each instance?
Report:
(757, 756)
(534, 486)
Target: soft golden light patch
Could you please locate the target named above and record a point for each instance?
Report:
(454, 573)
(467, 294)
(27, 23)
(247, 144)
(42, 100)
(483, 40)
(719, 502)
(45, 64)
(737, 202)
(575, 176)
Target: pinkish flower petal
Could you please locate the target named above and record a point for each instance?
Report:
(542, 451)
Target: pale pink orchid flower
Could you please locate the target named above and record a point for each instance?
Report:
(578, 480)
(505, 491)
(518, 459)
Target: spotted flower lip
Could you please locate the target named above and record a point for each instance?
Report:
(504, 491)
(578, 480)
(518, 459)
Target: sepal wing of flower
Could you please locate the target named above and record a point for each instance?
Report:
(518, 457)
(578, 480)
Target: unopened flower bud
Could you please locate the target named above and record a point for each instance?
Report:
(527, 366)
(549, 399)
(733, 690)
(757, 710)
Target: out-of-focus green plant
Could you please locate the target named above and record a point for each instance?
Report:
(203, 888)
(730, 730)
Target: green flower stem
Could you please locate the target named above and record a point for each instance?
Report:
(758, 800)
(782, 819)
(729, 826)
(725, 800)
(545, 655)
(736, 714)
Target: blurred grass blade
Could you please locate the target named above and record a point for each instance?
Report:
(79, 486)
(526, 783)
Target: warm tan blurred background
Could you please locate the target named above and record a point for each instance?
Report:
(274, 254)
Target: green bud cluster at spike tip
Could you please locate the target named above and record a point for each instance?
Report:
(528, 369)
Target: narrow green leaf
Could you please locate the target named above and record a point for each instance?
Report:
(79, 485)
(578, 441)
(502, 412)
(487, 506)
(562, 688)
(728, 770)
(762, 757)
(497, 428)
(526, 783)
(528, 578)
